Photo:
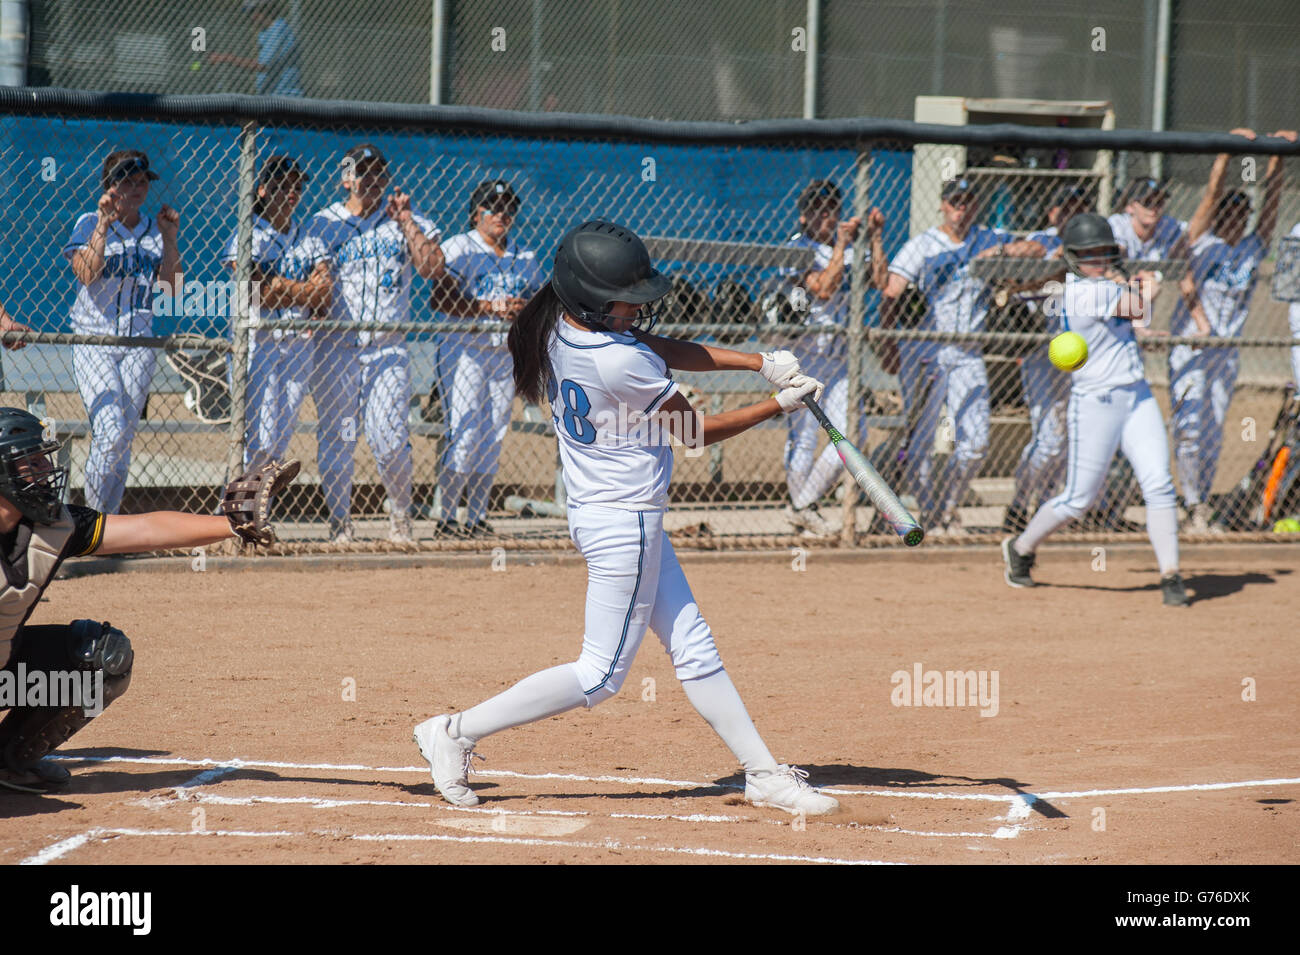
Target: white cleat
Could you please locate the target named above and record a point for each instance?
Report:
(448, 760)
(788, 789)
(342, 533)
(400, 528)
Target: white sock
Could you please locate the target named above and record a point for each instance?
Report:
(476, 497)
(715, 698)
(1044, 521)
(546, 693)
(1162, 528)
(450, 485)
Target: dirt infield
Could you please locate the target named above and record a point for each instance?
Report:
(1120, 735)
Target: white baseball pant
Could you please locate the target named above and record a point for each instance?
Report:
(335, 385)
(478, 389)
(1127, 418)
(114, 385)
(386, 409)
(1293, 317)
(1042, 462)
(810, 480)
(932, 378)
(1200, 390)
(279, 377)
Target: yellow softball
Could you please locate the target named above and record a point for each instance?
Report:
(1068, 351)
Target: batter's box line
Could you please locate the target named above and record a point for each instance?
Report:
(328, 802)
(62, 848)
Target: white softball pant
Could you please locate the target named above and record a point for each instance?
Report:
(279, 377)
(386, 409)
(335, 383)
(478, 388)
(114, 385)
(930, 379)
(1200, 390)
(634, 581)
(1126, 418)
(809, 479)
(1042, 462)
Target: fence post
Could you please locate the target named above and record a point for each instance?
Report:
(856, 334)
(243, 290)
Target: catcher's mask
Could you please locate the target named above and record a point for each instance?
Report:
(1088, 239)
(599, 263)
(29, 478)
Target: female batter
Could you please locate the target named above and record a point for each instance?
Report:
(491, 276)
(578, 343)
(1221, 279)
(290, 285)
(117, 254)
(1111, 405)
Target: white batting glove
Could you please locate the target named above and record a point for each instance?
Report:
(779, 367)
(790, 398)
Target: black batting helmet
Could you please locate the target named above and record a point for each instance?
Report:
(598, 263)
(29, 477)
(1087, 232)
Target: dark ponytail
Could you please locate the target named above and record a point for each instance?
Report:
(529, 341)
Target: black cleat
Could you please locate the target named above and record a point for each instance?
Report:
(449, 529)
(1175, 593)
(1016, 566)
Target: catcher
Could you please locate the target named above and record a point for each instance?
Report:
(37, 533)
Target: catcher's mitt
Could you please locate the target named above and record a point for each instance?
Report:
(247, 503)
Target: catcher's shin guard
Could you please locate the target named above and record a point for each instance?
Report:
(31, 733)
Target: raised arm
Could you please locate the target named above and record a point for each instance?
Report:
(88, 261)
(692, 356)
(1273, 181)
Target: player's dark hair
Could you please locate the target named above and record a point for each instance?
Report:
(529, 340)
(1231, 205)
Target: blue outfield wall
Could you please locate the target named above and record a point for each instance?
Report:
(51, 169)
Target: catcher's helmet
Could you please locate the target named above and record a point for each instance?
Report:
(1089, 231)
(599, 263)
(29, 478)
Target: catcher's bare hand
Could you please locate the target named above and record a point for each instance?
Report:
(248, 499)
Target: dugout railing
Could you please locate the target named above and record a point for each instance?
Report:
(721, 206)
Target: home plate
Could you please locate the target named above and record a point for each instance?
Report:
(516, 825)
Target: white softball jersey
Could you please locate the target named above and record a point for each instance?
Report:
(1225, 281)
(1164, 237)
(373, 270)
(291, 255)
(480, 273)
(816, 311)
(1087, 306)
(604, 389)
(119, 302)
(937, 264)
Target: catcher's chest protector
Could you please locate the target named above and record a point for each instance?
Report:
(42, 557)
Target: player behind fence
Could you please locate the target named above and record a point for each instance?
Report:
(821, 298)
(374, 246)
(292, 282)
(1220, 280)
(489, 276)
(37, 533)
(117, 254)
(934, 373)
(1111, 405)
(578, 343)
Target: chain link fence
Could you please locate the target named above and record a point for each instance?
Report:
(384, 372)
(675, 59)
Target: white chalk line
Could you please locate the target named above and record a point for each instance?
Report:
(234, 764)
(49, 854)
(325, 802)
